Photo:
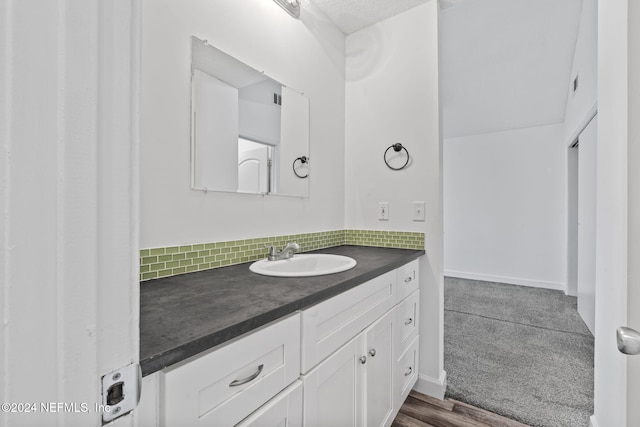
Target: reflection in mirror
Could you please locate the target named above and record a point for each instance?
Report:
(247, 130)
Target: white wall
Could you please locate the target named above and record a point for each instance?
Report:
(68, 198)
(392, 96)
(306, 54)
(582, 103)
(504, 207)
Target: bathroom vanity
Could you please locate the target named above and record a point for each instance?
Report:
(230, 347)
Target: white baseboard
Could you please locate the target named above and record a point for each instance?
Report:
(592, 421)
(434, 387)
(558, 286)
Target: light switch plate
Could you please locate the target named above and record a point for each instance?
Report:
(418, 211)
(383, 211)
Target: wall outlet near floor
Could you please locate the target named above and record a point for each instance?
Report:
(383, 211)
(418, 211)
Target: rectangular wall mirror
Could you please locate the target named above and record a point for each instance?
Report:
(249, 132)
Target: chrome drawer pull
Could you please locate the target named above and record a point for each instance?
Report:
(409, 371)
(250, 378)
(372, 352)
(408, 322)
(408, 279)
(363, 359)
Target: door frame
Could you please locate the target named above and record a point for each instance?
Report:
(616, 376)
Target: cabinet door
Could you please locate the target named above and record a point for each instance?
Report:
(379, 402)
(333, 390)
(284, 410)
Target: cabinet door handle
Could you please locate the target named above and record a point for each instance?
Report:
(409, 371)
(408, 321)
(363, 359)
(408, 279)
(372, 352)
(248, 379)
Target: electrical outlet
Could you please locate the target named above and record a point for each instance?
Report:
(383, 211)
(418, 211)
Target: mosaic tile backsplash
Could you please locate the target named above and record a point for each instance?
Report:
(164, 262)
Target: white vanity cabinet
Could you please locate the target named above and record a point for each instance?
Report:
(359, 352)
(348, 361)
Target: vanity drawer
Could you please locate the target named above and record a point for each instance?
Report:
(406, 372)
(227, 384)
(408, 280)
(407, 320)
(330, 324)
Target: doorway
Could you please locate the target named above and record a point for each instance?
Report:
(581, 248)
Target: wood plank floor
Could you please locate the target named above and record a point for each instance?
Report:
(420, 410)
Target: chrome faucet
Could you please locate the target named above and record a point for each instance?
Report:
(286, 253)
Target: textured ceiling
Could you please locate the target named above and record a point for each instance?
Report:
(353, 15)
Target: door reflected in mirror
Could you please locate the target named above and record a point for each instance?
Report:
(247, 129)
(255, 161)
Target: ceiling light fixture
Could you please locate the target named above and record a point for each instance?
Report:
(291, 6)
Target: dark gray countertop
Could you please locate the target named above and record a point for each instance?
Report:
(181, 316)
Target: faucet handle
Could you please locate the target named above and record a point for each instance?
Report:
(273, 251)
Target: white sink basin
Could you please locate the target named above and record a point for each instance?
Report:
(304, 265)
